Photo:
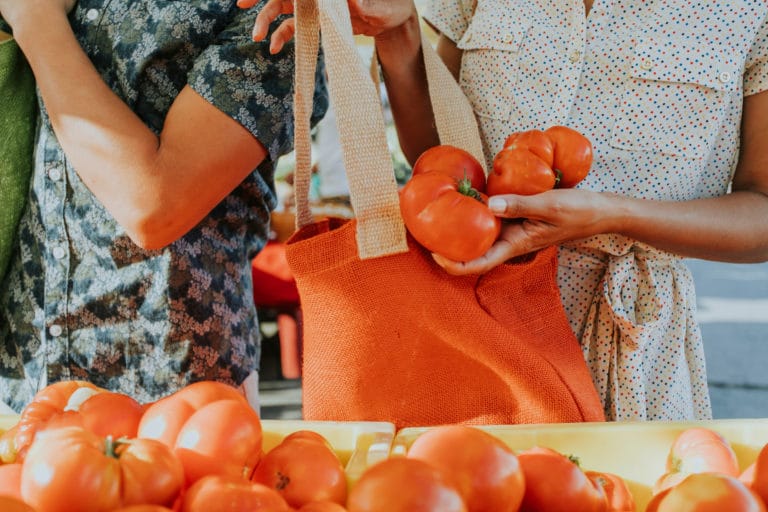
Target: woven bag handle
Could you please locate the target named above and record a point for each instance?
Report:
(360, 120)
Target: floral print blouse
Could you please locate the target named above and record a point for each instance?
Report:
(81, 301)
(658, 87)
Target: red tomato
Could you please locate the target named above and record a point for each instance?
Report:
(231, 494)
(404, 485)
(10, 480)
(45, 405)
(697, 450)
(452, 161)
(448, 218)
(211, 427)
(72, 469)
(617, 492)
(309, 435)
(707, 492)
(322, 506)
(554, 483)
(572, 155)
(756, 475)
(10, 504)
(484, 469)
(103, 413)
(535, 141)
(303, 470)
(519, 171)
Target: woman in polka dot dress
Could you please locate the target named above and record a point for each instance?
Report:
(673, 96)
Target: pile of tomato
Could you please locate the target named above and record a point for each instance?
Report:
(80, 448)
(444, 204)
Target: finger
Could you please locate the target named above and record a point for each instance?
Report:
(496, 255)
(513, 206)
(269, 13)
(282, 35)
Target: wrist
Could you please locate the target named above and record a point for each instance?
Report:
(401, 45)
(28, 21)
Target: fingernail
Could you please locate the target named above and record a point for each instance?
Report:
(497, 205)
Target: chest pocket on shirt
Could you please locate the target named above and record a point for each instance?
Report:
(674, 100)
(489, 61)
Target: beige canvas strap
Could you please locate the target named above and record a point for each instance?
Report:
(355, 96)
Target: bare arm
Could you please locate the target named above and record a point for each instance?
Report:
(157, 188)
(731, 228)
(394, 24)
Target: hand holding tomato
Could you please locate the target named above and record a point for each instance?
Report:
(539, 221)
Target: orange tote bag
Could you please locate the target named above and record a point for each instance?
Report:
(388, 335)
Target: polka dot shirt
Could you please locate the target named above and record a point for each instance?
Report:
(658, 87)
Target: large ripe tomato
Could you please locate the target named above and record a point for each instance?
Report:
(535, 161)
(697, 450)
(452, 161)
(616, 490)
(484, 469)
(10, 504)
(303, 470)
(73, 403)
(756, 475)
(231, 494)
(535, 141)
(71, 469)
(448, 217)
(211, 427)
(404, 485)
(554, 483)
(516, 170)
(707, 492)
(572, 155)
(47, 403)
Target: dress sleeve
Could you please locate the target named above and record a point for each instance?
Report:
(450, 17)
(242, 79)
(756, 69)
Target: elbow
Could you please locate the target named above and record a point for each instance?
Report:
(153, 229)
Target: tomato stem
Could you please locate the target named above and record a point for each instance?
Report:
(465, 188)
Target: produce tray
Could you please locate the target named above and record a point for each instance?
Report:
(358, 444)
(636, 451)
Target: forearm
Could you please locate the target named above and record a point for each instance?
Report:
(103, 139)
(400, 55)
(732, 228)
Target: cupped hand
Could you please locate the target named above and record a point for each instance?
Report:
(538, 221)
(369, 17)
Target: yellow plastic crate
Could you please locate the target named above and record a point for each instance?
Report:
(636, 451)
(358, 444)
